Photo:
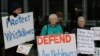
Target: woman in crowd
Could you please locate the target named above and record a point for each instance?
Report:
(81, 24)
(53, 27)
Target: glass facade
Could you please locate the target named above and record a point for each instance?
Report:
(70, 10)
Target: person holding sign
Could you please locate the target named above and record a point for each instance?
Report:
(81, 25)
(53, 27)
(15, 9)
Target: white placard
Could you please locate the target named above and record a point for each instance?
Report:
(57, 45)
(96, 32)
(18, 30)
(24, 48)
(85, 41)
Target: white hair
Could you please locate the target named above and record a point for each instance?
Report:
(54, 16)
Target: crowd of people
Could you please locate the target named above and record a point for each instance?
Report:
(51, 25)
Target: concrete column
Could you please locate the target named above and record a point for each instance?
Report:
(65, 11)
(4, 7)
(47, 7)
(84, 6)
(25, 5)
(44, 7)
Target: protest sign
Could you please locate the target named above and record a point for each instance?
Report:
(18, 30)
(57, 45)
(96, 32)
(24, 48)
(85, 41)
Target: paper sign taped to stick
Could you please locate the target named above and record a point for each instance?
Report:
(18, 30)
(85, 41)
(24, 48)
(96, 32)
(57, 45)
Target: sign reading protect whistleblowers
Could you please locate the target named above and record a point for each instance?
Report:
(18, 30)
(57, 45)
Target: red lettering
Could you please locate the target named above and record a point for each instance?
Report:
(56, 39)
(46, 40)
(68, 38)
(62, 39)
(51, 38)
(39, 40)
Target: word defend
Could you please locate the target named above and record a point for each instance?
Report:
(85, 41)
(53, 38)
(57, 45)
(18, 30)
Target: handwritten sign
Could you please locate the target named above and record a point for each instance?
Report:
(57, 45)
(96, 32)
(18, 30)
(85, 41)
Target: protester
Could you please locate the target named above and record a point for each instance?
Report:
(53, 27)
(81, 24)
(60, 16)
(61, 20)
(14, 9)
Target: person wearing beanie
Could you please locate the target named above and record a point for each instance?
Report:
(15, 9)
